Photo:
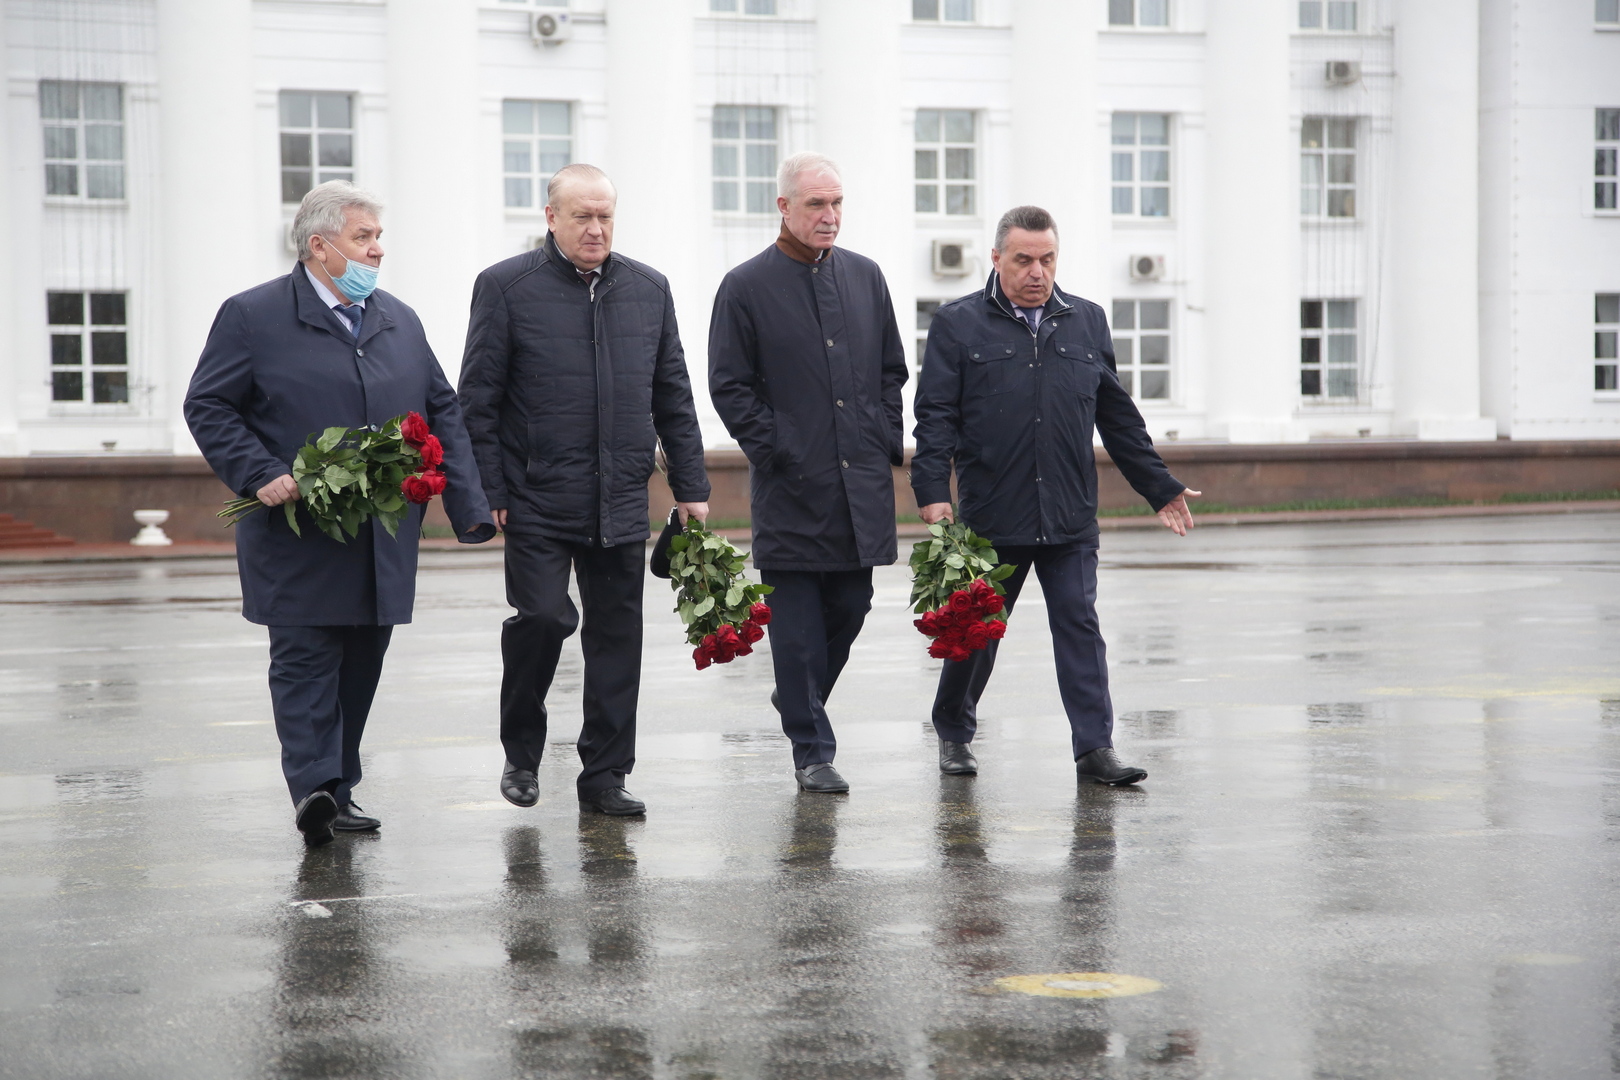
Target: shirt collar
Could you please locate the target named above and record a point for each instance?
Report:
(328, 297)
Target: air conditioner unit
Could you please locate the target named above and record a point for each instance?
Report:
(1343, 72)
(953, 258)
(287, 238)
(532, 242)
(551, 27)
(1147, 267)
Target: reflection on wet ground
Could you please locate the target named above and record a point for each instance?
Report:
(1377, 839)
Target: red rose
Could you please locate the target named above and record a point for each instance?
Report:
(959, 653)
(414, 430)
(432, 452)
(960, 601)
(938, 649)
(996, 628)
(417, 489)
(435, 480)
(977, 636)
(993, 604)
(760, 613)
(751, 631)
(981, 589)
(701, 658)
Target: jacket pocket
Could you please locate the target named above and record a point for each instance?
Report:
(992, 368)
(1078, 368)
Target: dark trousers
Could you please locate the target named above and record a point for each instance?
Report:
(815, 618)
(1068, 574)
(322, 680)
(610, 582)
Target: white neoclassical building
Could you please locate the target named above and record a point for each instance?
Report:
(1308, 218)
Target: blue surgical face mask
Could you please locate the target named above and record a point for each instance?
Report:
(358, 280)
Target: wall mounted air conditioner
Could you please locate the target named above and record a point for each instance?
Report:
(287, 240)
(551, 27)
(953, 258)
(1147, 267)
(1343, 72)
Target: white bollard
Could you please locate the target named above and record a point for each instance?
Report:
(151, 535)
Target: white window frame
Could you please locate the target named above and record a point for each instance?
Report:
(532, 146)
(80, 129)
(1129, 160)
(1326, 364)
(1320, 16)
(945, 12)
(84, 335)
(1606, 161)
(927, 308)
(946, 155)
(316, 132)
(1606, 345)
(1134, 341)
(1136, 14)
(738, 164)
(746, 9)
(1324, 163)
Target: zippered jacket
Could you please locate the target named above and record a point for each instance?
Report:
(1015, 411)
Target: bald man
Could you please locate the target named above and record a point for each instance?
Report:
(572, 376)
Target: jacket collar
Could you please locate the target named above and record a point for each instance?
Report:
(1056, 304)
(566, 267)
(798, 250)
(313, 310)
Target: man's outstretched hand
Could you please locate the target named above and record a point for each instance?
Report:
(1175, 514)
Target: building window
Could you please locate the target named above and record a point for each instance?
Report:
(537, 140)
(960, 11)
(84, 138)
(1138, 12)
(745, 158)
(1608, 151)
(1141, 164)
(1142, 348)
(97, 347)
(1327, 167)
(1608, 14)
(926, 309)
(317, 141)
(744, 7)
(1327, 349)
(945, 151)
(1604, 345)
(1328, 15)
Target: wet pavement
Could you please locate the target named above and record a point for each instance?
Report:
(1379, 838)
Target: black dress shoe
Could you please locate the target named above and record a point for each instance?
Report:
(957, 759)
(519, 786)
(614, 801)
(350, 818)
(821, 778)
(1101, 766)
(314, 817)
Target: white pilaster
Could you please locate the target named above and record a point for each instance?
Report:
(1253, 223)
(429, 229)
(205, 95)
(1058, 157)
(12, 367)
(1434, 205)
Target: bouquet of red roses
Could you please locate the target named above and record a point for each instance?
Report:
(721, 609)
(348, 476)
(956, 588)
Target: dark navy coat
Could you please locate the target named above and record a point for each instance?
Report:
(806, 368)
(1016, 411)
(569, 388)
(279, 366)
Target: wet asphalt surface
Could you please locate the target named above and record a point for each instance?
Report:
(1379, 838)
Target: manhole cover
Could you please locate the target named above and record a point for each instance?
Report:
(1081, 984)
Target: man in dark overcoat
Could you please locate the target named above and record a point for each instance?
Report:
(1016, 379)
(315, 349)
(806, 368)
(573, 374)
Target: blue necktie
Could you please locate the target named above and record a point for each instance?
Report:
(351, 321)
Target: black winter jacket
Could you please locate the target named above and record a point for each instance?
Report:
(1016, 410)
(568, 388)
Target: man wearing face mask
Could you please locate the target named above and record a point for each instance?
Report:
(319, 348)
(573, 374)
(1015, 380)
(805, 368)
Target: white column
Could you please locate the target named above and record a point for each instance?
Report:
(434, 181)
(205, 102)
(1058, 157)
(1434, 203)
(653, 137)
(12, 367)
(1252, 208)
